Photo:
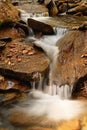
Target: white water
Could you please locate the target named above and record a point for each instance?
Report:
(63, 91)
(37, 16)
(52, 39)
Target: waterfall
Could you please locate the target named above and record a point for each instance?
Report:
(51, 40)
(63, 91)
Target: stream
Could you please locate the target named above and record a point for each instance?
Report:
(61, 27)
(64, 91)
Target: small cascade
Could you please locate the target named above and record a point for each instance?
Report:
(33, 85)
(63, 91)
(10, 84)
(40, 85)
(31, 33)
(37, 84)
(51, 40)
(25, 15)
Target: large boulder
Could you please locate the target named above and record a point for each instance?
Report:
(22, 61)
(71, 67)
(38, 26)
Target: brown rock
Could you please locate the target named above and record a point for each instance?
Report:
(68, 125)
(13, 30)
(8, 12)
(71, 66)
(53, 11)
(52, 8)
(81, 8)
(12, 33)
(83, 26)
(15, 63)
(40, 27)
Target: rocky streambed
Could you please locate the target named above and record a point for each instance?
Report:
(20, 59)
(24, 66)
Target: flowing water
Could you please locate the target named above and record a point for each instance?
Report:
(63, 91)
(44, 83)
(61, 25)
(51, 40)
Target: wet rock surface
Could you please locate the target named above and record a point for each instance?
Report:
(15, 56)
(40, 27)
(18, 59)
(21, 60)
(72, 61)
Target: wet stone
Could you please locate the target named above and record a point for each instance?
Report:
(38, 26)
(12, 30)
(72, 60)
(20, 60)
